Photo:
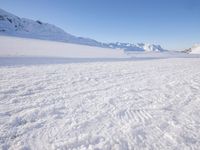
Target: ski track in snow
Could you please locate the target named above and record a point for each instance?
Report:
(152, 104)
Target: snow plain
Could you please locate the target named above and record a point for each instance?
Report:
(97, 103)
(149, 104)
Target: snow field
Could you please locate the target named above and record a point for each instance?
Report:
(152, 104)
(14, 46)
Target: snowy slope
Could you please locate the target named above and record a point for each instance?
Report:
(108, 105)
(25, 47)
(194, 49)
(21, 27)
(15, 46)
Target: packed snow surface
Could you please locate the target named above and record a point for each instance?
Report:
(146, 104)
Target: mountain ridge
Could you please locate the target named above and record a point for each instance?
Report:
(13, 25)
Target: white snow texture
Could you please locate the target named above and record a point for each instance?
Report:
(151, 104)
(93, 98)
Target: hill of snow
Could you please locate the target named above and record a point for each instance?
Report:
(15, 46)
(194, 49)
(21, 27)
(25, 47)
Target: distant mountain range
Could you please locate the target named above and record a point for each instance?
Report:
(21, 27)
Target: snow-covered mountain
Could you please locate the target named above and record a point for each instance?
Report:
(195, 49)
(136, 47)
(21, 27)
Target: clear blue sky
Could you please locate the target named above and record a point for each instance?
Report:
(175, 24)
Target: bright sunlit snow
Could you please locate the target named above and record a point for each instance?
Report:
(149, 104)
(80, 94)
(14, 46)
